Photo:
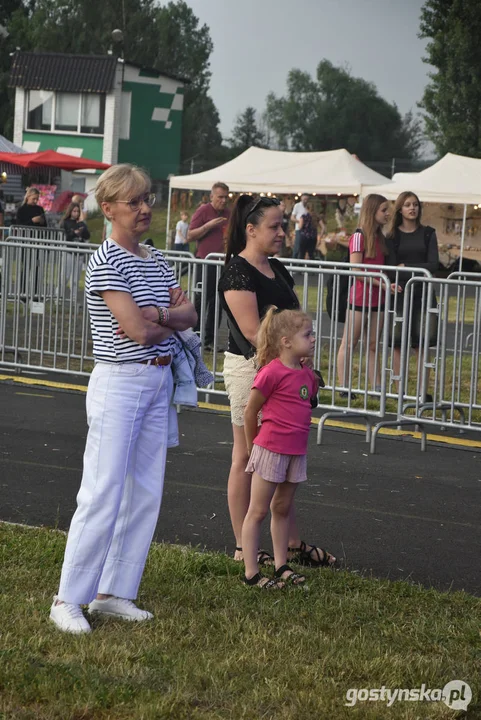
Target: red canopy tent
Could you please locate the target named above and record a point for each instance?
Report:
(49, 159)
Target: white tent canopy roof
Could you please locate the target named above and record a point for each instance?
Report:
(8, 146)
(453, 179)
(259, 170)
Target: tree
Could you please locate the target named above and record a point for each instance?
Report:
(246, 132)
(337, 110)
(167, 37)
(201, 138)
(452, 100)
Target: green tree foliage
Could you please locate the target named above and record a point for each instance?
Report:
(246, 132)
(168, 37)
(452, 100)
(337, 110)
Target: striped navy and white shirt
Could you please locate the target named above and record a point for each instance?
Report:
(147, 280)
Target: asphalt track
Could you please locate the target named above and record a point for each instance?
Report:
(400, 514)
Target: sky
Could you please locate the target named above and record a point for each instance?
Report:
(257, 42)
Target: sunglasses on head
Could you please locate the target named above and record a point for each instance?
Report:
(262, 202)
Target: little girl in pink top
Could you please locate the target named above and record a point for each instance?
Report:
(283, 389)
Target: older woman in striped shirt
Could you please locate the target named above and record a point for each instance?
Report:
(135, 306)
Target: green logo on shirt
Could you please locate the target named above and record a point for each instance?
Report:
(304, 392)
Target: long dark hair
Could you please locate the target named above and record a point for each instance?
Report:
(397, 218)
(68, 212)
(236, 229)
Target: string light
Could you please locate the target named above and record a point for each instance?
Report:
(268, 194)
(262, 194)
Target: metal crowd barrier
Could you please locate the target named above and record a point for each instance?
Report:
(452, 308)
(43, 314)
(40, 233)
(44, 325)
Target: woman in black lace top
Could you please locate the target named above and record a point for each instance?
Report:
(251, 282)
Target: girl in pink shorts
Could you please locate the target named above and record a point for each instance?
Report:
(283, 389)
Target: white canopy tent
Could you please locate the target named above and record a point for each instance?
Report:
(453, 179)
(259, 170)
(334, 172)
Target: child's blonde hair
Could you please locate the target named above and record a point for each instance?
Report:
(275, 325)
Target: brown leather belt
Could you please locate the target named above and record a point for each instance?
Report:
(158, 361)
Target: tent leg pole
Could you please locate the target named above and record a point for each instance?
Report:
(168, 218)
(463, 233)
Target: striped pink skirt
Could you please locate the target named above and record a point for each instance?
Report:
(275, 467)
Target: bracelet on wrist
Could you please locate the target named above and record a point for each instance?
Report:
(163, 315)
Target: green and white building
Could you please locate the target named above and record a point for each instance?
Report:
(100, 107)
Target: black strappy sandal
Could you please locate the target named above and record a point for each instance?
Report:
(312, 558)
(293, 578)
(256, 581)
(263, 557)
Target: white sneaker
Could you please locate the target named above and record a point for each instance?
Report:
(120, 608)
(68, 617)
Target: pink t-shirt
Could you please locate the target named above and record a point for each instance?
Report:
(360, 290)
(213, 242)
(286, 414)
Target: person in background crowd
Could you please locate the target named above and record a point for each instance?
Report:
(340, 213)
(2, 217)
(75, 231)
(366, 246)
(81, 202)
(30, 214)
(181, 231)
(75, 228)
(299, 209)
(252, 281)
(307, 233)
(203, 201)
(412, 244)
(207, 229)
(135, 306)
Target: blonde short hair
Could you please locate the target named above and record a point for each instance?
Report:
(121, 182)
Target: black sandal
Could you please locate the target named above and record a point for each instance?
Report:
(312, 557)
(293, 578)
(256, 581)
(263, 557)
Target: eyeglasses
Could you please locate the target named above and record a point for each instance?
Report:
(136, 203)
(266, 201)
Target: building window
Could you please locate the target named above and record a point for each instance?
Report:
(40, 110)
(66, 112)
(93, 114)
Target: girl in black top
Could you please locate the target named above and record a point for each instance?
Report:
(75, 229)
(29, 213)
(250, 283)
(412, 244)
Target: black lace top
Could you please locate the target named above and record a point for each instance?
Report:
(241, 275)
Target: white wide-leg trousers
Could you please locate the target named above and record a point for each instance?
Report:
(123, 477)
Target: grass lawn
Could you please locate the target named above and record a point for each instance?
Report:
(217, 649)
